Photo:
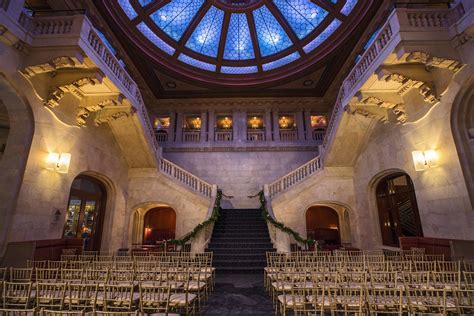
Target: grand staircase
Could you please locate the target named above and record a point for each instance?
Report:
(240, 241)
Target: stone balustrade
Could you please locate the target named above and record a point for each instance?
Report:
(184, 177)
(255, 135)
(191, 136)
(288, 135)
(294, 177)
(224, 136)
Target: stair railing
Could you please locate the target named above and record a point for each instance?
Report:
(204, 229)
(185, 177)
(294, 177)
(267, 214)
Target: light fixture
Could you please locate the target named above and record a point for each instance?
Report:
(255, 123)
(283, 122)
(226, 123)
(425, 159)
(58, 162)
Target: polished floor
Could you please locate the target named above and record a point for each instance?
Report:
(239, 294)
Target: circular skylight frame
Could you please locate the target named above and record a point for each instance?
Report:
(174, 56)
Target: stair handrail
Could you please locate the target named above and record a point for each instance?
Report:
(296, 176)
(185, 177)
(269, 217)
(216, 211)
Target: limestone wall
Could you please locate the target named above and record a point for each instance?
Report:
(240, 174)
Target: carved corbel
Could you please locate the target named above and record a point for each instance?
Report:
(93, 107)
(112, 113)
(354, 109)
(53, 65)
(432, 61)
(398, 109)
(73, 87)
(407, 84)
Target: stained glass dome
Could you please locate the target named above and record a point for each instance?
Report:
(237, 38)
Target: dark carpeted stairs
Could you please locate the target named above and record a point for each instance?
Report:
(240, 241)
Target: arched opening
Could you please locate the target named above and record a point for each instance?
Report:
(4, 128)
(85, 211)
(397, 208)
(159, 224)
(322, 224)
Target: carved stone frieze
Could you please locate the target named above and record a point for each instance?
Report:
(73, 87)
(396, 108)
(112, 113)
(355, 110)
(85, 111)
(407, 84)
(432, 61)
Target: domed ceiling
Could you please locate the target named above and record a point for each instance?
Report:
(210, 47)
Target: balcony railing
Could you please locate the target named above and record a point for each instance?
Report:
(185, 177)
(161, 137)
(191, 136)
(224, 136)
(294, 177)
(255, 135)
(288, 135)
(318, 135)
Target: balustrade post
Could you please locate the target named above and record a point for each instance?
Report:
(276, 126)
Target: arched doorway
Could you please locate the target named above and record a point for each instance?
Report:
(159, 224)
(85, 211)
(397, 208)
(4, 128)
(322, 224)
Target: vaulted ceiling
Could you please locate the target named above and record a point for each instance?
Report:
(222, 48)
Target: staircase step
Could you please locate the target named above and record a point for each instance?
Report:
(256, 251)
(241, 263)
(231, 240)
(240, 256)
(239, 270)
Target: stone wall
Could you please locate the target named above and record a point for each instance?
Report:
(240, 174)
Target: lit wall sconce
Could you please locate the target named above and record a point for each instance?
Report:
(425, 159)
(58, 162)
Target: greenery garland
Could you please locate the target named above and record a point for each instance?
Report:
(279, 225)
(214, 217)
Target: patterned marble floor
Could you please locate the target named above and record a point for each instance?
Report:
(239, 294)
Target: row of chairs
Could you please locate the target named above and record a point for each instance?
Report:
(375, 301)
(112, 298)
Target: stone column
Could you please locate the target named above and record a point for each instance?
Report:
(203, 136)
(171, 128)
(179, 127)
(267, 119)
(276, 126)
(212, 125)
(235, 125)
(300, 125)
(307, 122)
(243, 126)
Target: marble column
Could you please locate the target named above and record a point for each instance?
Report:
(300, 125)
(179, 127)
(172, 126)
(243, 126)
(307, 122)
(235, 125)
(267, 119)
(203, 136)
(276, 126)
(211, 125)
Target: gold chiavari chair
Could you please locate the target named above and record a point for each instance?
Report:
(50, 295)
(68, 258)
(49, 312)
(468, 280)
(448, 280)
(102, 265)
(382, 280)
(53, 264)
(79, 265)
(464, 302)
(123, 258)
(86, 258)
(353, 279)
(385, 301)
(104, 258)
(422, 266)
(416, 280)
(428, 302)
(124, 265)
(122, 277)
(114, 313)
(119, 298)
(36, 264)
(155, 300)
(295, 299)
(352, 301)
(182, 299)
(3, 274)
(101, 277)
(468, 265)
(17, 312)
(90, 253)
(448, 266)
(400, 266)
(81, 297)
(147, 278)
(47, 275)
(17, 295)
(21, 275)
(72, 275)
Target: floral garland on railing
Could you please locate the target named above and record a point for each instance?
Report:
(214, 217)
(281, 226)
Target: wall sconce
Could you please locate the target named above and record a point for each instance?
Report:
(425, 159)
(58, 162)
